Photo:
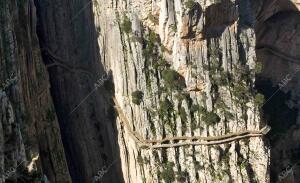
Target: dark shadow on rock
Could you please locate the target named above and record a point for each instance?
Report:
(219, 16)
(276, 111)
(68, 39)
(267, 8)
(194, 15)
(278, 115)
(274, 20)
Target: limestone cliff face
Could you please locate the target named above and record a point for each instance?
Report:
(69, 47)
(28, 123)
(172, 68)
(210, 47)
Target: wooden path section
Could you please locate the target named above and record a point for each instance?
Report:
(278, 53)
(195, 140)
(161, 143)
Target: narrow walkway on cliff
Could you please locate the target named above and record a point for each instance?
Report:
(278, 53)
(210, 140)
(153, 144)
(57, 61)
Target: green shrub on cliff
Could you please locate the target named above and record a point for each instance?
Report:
(172, 79)
(190, 4)
(137, 97)
(259, 100)
(50, 115)
(151, 45)
(258, 68)
(167, 174)
(210, 118)
(140, 159)
(126, 25)
(241, 93)
(165, 107)
(161, 64)
(174, 27)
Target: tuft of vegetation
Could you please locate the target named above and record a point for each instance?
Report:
(241, 93)
(258, 68)
(167, 174)
(244, 73)
(244, 163)
(202, 110)
(140, 159)
(182, 176)
(50, 115)
(223, 80)
(259, 100)
(109, 85)
(137, 97)
(228, 115)
(165, 107)
(173, 28)
(195, 108)
(136, 39)
(161, 63)
(173, 80)
(181, 96)
(126, 25)
(210, 118)
(149, 50)
(190, 4)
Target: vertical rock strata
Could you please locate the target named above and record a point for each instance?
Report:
(70, 51)
(195, 64)
(178, 68)
(28, 124)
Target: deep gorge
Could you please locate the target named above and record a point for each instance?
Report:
(95, 77)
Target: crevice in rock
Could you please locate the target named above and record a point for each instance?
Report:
(78, 111)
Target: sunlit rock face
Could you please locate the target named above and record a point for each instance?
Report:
(210, 45)
(172, 68)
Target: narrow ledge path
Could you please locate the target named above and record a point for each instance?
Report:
(210, 140)
(158, 143)
(57, 61)
(278, 53)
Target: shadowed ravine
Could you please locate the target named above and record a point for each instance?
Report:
(140, 91)
(277, 48)
(68, 42)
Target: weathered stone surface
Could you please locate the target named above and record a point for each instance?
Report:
(193, 38)
(68, 39)
(196, 65)
(27, 117)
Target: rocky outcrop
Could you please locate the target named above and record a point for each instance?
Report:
(195, 66)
